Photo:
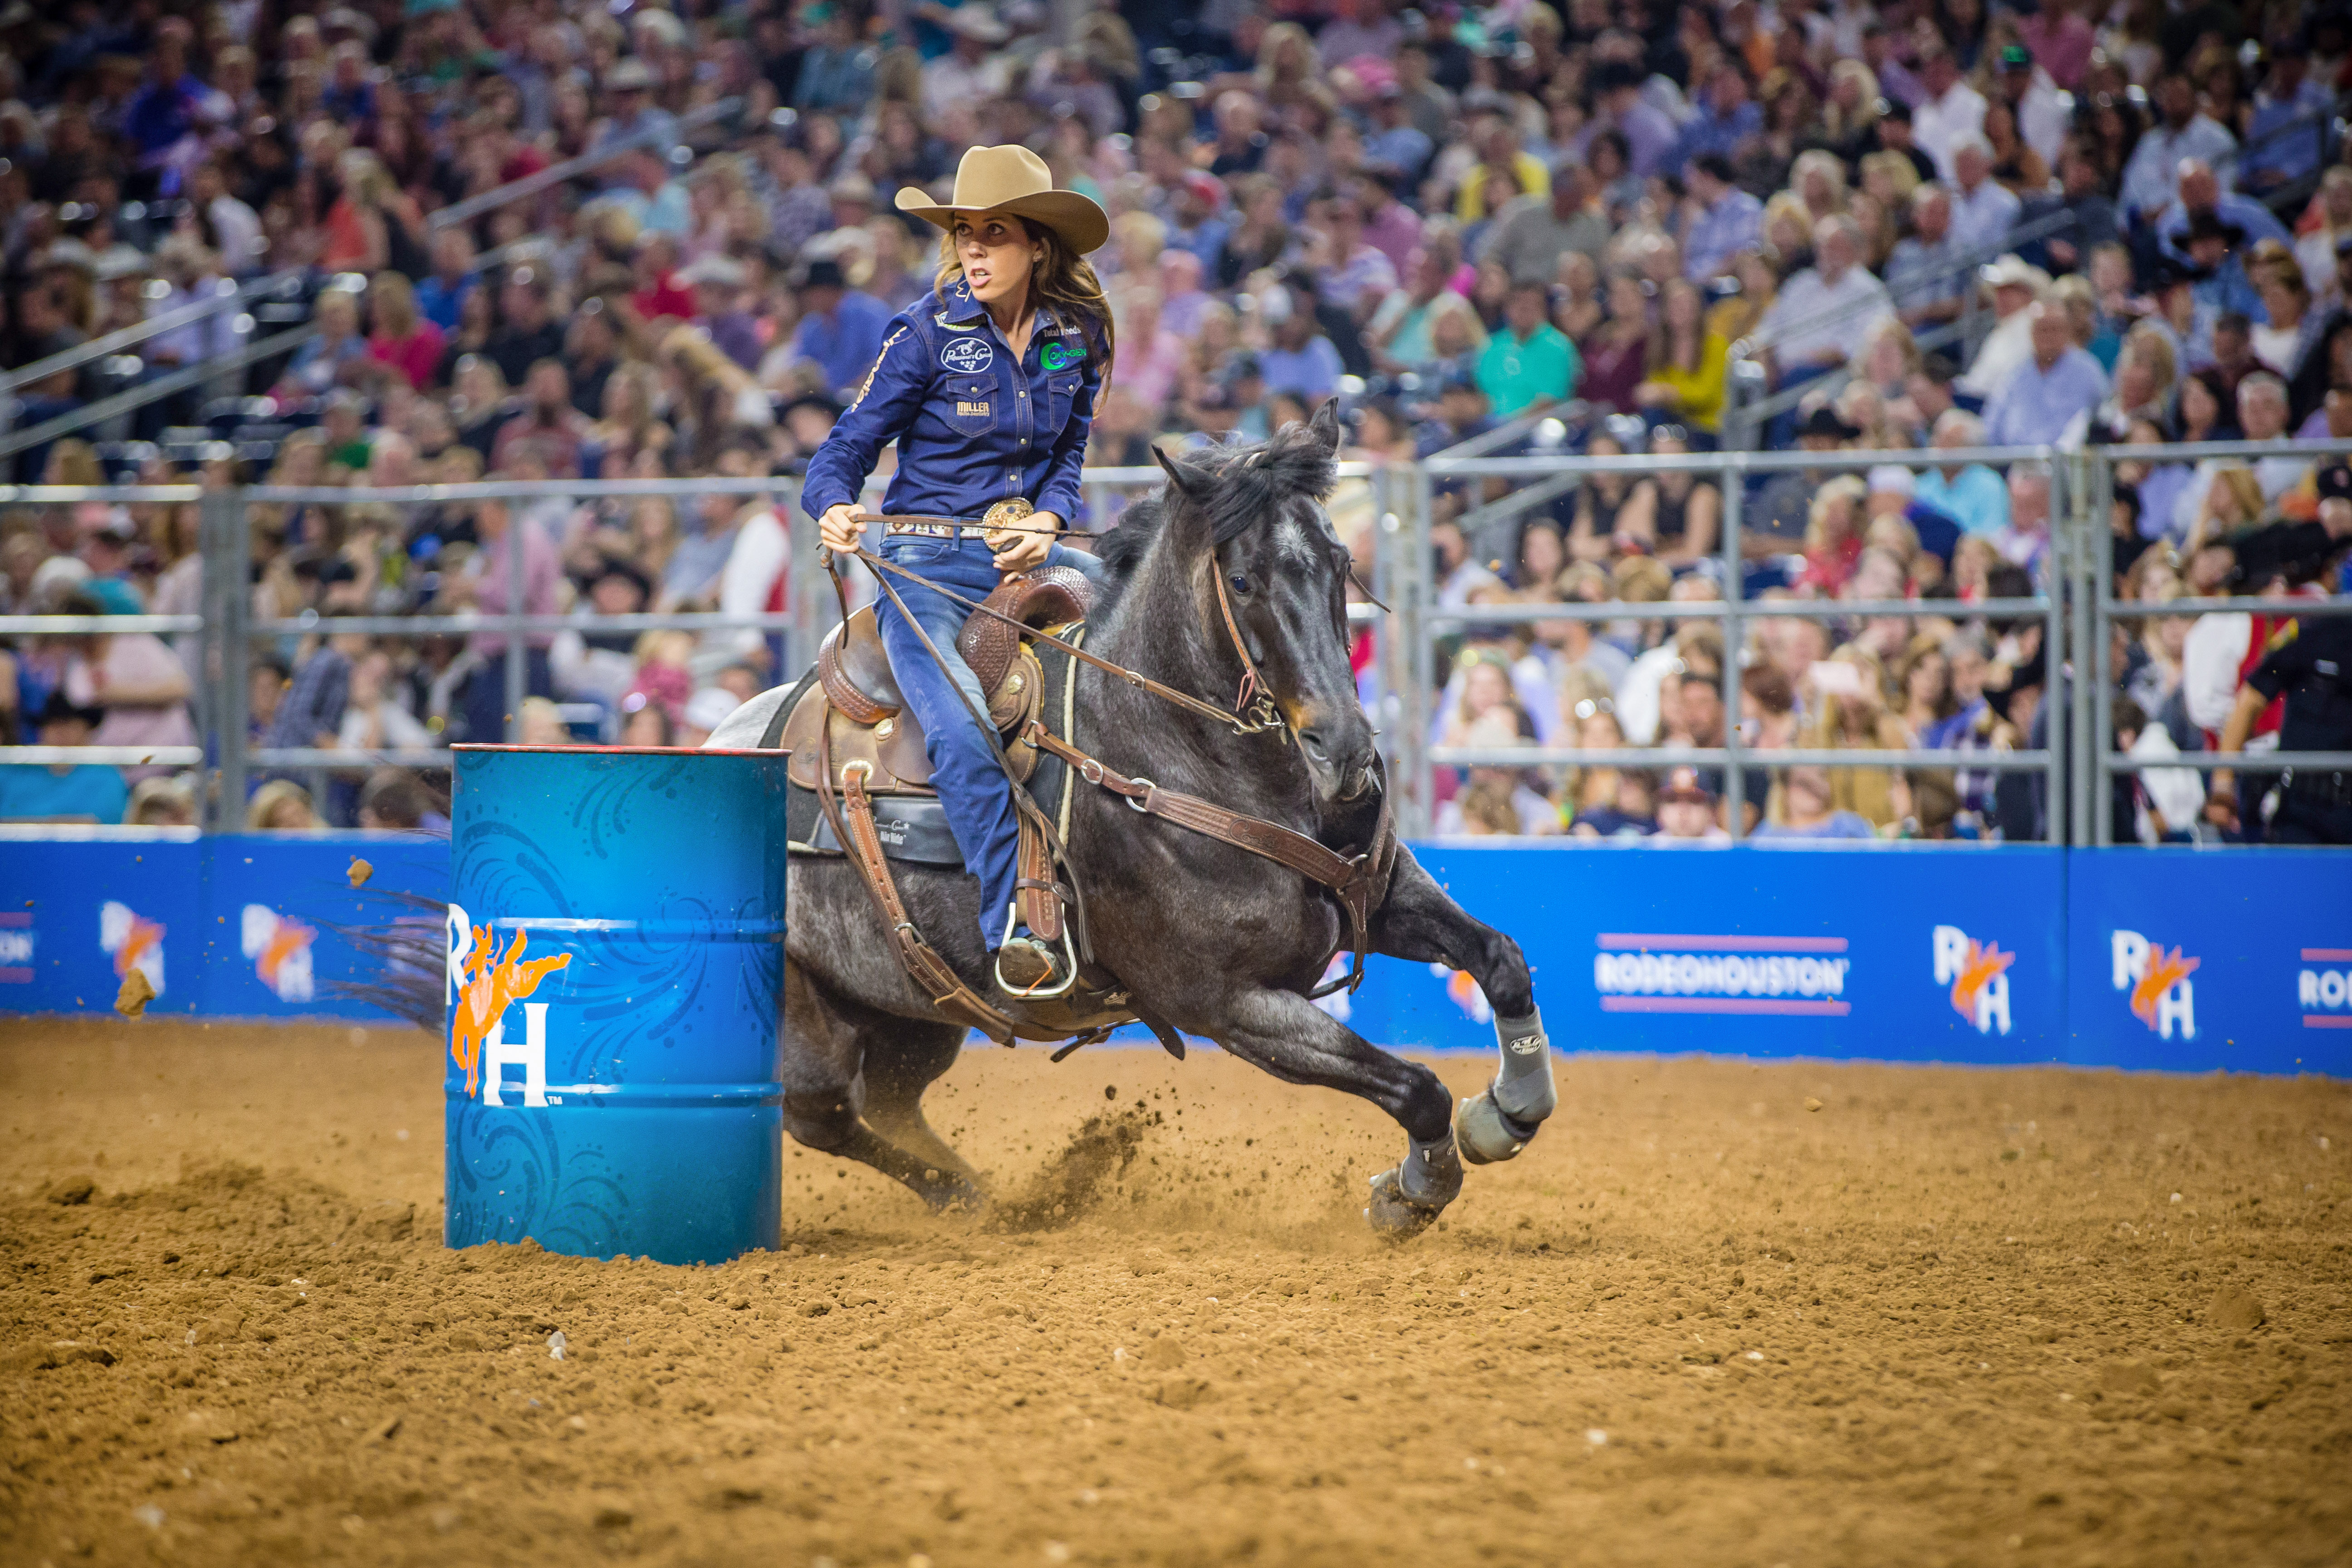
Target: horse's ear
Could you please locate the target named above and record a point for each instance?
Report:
(1185, 480)
(1189, 525)
(1324, 425)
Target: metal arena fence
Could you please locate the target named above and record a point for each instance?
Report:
(2075, 609)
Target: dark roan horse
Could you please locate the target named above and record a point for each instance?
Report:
(1218, 942)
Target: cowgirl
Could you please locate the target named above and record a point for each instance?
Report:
(988, 384)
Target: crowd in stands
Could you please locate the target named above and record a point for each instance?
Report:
(1926, 223)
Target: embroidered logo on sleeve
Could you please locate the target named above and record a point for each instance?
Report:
(967, 356)
(1061, 356)
(867, 384)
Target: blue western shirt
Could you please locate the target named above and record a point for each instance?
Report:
(975, 426)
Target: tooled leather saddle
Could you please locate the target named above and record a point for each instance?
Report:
(851, 737)
(856, 706)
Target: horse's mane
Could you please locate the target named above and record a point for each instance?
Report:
(1240, 486)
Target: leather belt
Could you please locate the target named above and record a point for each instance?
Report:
(943, 528)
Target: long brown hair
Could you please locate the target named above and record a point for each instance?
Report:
(1062, 279)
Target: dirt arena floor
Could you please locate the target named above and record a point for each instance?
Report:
(1947, 1316)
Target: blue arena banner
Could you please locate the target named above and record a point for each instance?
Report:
(2179, 960)
(2196, 960)
(241, 926)
(82, 907)
(1944, 953)
(282, 915)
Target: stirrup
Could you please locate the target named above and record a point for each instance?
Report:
(1069, 961)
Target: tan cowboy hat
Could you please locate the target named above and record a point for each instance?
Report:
(1013, 180)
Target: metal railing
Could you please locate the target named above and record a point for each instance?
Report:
(2076, 612)
(2099, 610)
(1416, 760)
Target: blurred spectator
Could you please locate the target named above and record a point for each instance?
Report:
(1529, 363)
(840, 329)
(281, 806)
(62, 791)
(2048, 400)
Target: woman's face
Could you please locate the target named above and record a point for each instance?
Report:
(1928, 677)
(1542, 556)
(1682, 307)
(1451, 336)
(1626, 300)
(1607, 166)
(1485, 687)
(2198, 408)
(1837, 519)
(1598, 733)
(1966, 674)
(643, 727)
(2225, 505)
(2134, 383)
(998, 256)
(1886, 367)
(368, 678)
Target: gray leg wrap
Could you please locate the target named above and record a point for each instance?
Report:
(1496, 1123)
(1408, 1198)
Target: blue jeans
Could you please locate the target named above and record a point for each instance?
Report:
(977, 796)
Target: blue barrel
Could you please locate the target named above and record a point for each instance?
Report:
(616, 961)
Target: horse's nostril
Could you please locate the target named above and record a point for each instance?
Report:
(1316, 747)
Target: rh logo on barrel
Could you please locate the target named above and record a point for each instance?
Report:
(483, 983)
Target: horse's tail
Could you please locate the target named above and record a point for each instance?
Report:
(409, 963)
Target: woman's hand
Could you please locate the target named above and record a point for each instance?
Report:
(1026, 550)
(841, 530)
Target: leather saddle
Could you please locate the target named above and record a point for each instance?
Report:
(856, 705)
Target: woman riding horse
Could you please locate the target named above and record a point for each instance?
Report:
(988, 384)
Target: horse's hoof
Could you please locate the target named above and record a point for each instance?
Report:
(1486, 1134)
(949, 1197)
(1395, 1215)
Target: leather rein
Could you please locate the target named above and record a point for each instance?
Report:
(1358, 882)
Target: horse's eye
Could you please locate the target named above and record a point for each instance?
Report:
(1240, 582)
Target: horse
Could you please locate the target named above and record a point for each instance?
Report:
(1213, 941)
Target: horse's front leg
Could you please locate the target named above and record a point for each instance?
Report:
(1419, 923)
(1297, 1042)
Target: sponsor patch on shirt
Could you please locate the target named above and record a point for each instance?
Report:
(1062, 356)
(973, 410)
(966, 355)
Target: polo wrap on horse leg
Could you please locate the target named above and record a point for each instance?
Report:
(1497, 1121)
(1408, 1197)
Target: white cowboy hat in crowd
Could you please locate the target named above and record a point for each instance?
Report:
(977, 21)
(1013, 180)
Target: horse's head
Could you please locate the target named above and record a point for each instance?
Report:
(1251, 518)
